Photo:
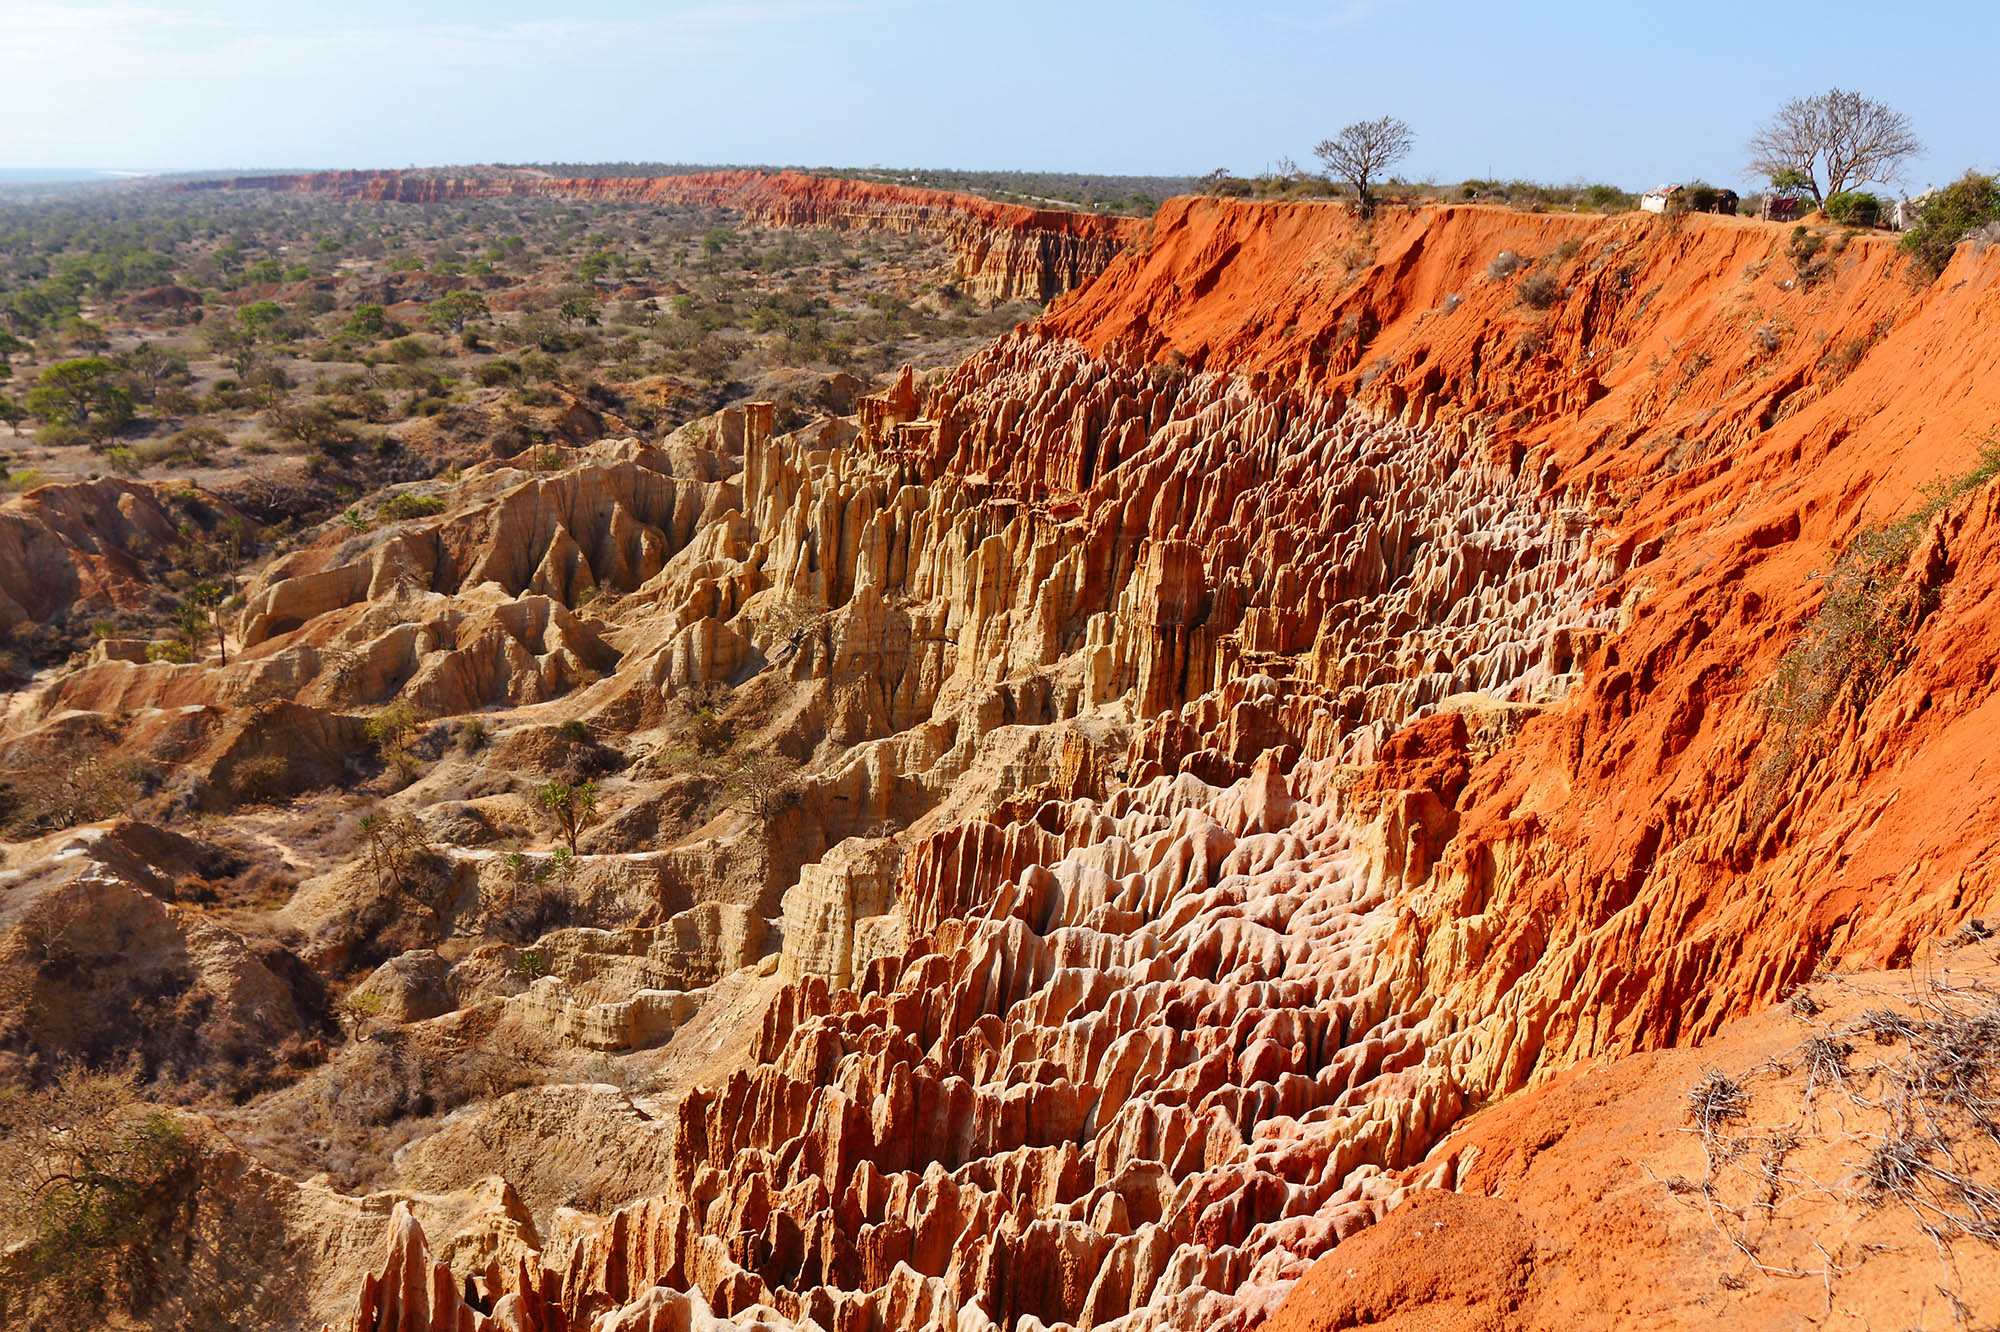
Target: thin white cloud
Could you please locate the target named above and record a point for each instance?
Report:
(36, 27)
(1346, 14)
(165, 83)
(95, 33)
(33, 18)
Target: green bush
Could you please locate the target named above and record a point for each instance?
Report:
(398, 507)
(1855, 207)
(1950, 215)
(393, 729)
(63, 435)
(84, 1170)
(261, 778)
(194, 444)
(1604, 198)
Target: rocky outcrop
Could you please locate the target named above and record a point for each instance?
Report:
(105, 967)
(414, 1292)
(97, 542)
(1004, 251)
(1536, 873)
(843, 913)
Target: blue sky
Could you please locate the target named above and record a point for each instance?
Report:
(1633, 93)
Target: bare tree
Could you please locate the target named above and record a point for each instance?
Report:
(1838, 137)
(1363, 152)
(765, 783)
(405, 862)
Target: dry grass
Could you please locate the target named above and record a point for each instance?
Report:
(1860, 638)
(1913, 1126)
(1715, 1101)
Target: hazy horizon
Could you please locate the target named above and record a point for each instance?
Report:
(1565, 92)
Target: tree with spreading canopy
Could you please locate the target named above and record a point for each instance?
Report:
(70, 392)
(1833, 142)
(368, 321)
(150, 367)
(454, 310)
(257, 318)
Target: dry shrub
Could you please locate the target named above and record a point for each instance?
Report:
(87, 1176)
(1715, 1101)
(1860, 637)
(1840, 359)
(76, 784)
(1914, 1126)
(262, 778)
(1939, 1094)
(1538, 291)
(1811, 265)
(536, 904)
(1971, 932)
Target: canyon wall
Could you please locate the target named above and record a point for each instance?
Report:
(1004, 251)
(1313, 684)
(1442, 613)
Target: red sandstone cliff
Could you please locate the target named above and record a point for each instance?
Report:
(1004, 251)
